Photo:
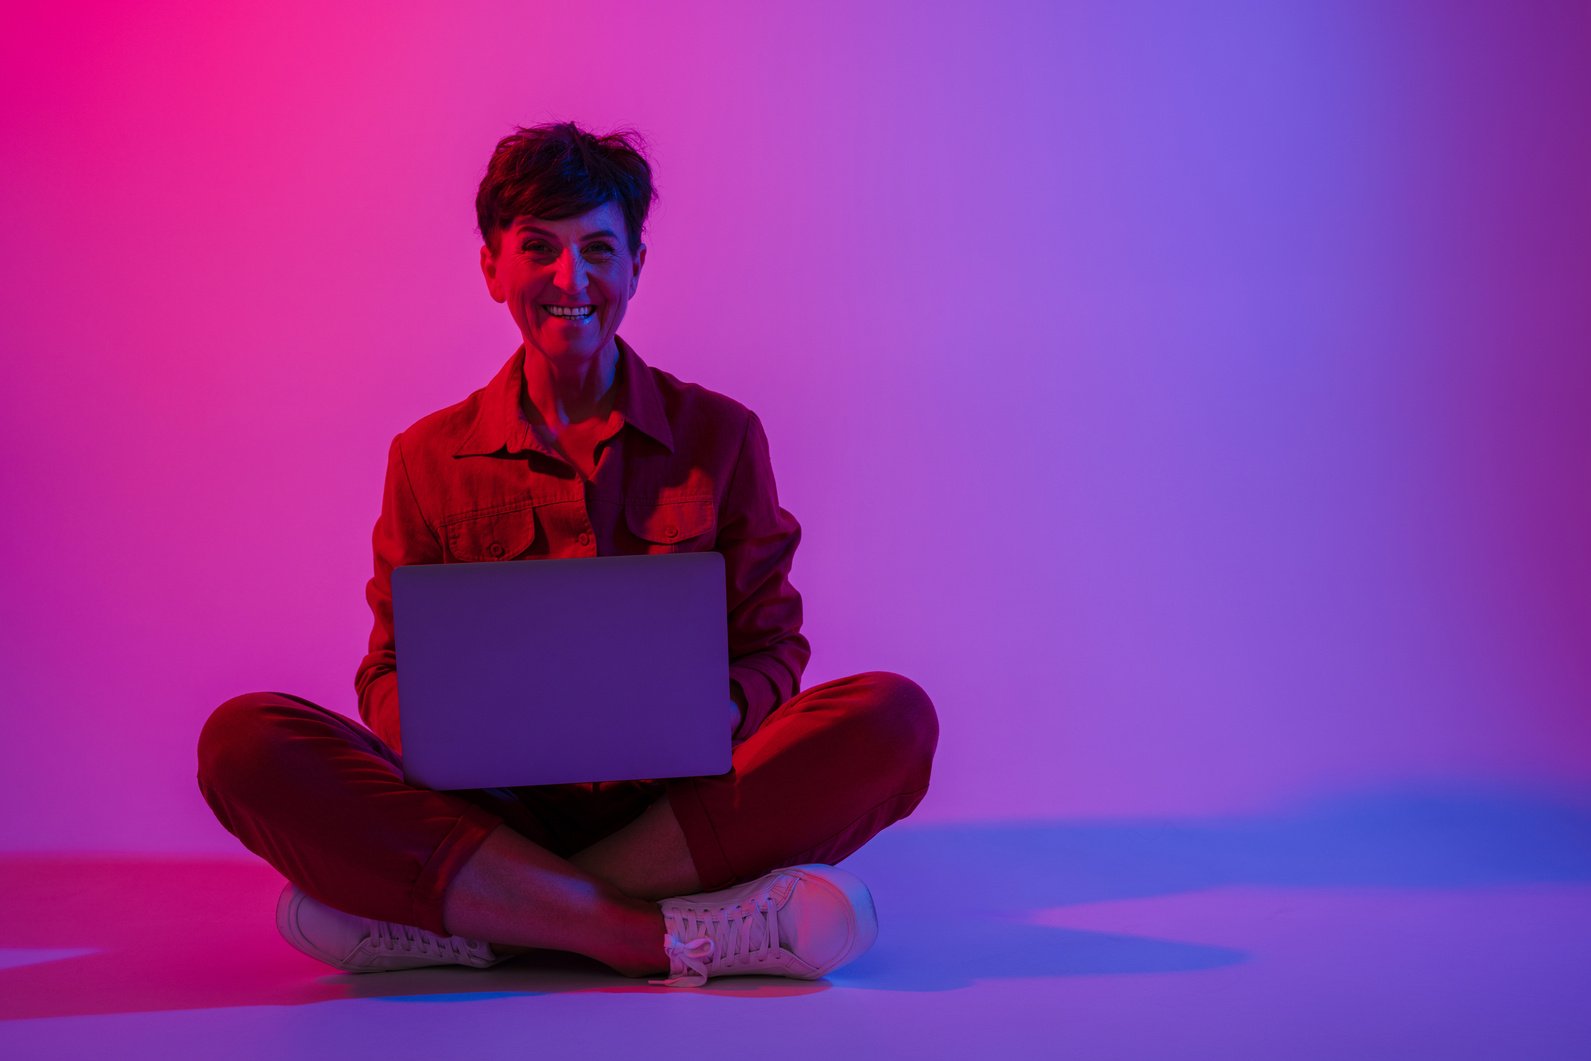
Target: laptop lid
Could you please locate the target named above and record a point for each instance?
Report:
(543, 672)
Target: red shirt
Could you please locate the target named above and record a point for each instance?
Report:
(678, 468)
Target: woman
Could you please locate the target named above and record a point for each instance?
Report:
(579, 448)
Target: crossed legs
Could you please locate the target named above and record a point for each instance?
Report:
(518, 895)
(323, 800)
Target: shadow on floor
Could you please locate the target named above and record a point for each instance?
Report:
(91, 934)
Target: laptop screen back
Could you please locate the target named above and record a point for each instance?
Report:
(541, 672)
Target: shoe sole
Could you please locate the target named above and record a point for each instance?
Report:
(865, 931)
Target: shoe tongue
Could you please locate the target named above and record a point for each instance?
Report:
(782, 888)
(779, 897)
(791, 923)
(810, 928)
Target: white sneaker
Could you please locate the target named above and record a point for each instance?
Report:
(362, 945)
(801, 921)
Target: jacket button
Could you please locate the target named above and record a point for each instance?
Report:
(671, 531)
(584, 539)
(495, 549)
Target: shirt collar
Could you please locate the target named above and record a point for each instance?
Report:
(500, 425)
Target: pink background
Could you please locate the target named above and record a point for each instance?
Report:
(1192, 398)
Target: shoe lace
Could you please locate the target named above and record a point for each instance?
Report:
(389, 937)
(700, 938)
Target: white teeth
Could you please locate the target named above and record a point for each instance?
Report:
(570, 311)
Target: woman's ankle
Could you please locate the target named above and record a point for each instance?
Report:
(642, 953)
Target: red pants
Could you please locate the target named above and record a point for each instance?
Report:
(323, 800)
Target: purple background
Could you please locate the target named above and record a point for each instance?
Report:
(1192, 398)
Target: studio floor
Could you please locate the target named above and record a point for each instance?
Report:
(1435, 923)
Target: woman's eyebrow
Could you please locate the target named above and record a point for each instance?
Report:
(589, 235)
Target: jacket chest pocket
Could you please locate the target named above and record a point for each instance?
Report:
(673, 525)
(504, 535)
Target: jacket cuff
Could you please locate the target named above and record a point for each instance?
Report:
(754, 690)
(379, 709)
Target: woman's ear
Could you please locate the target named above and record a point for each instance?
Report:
(635, 269)
(489, 271)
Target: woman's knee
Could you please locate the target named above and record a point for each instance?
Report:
(238, 735)
(900, 715)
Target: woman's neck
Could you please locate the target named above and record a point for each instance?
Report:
(568, 393)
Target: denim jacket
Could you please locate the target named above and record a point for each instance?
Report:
(685, 469)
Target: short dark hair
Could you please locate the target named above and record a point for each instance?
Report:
(559, 170)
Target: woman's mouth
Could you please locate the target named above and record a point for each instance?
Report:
(573, 314)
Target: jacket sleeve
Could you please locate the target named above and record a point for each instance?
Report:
(401, 536)
(758, 540)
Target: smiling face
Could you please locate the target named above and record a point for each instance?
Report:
(566, 283)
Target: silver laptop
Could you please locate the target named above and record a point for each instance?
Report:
(545, 672)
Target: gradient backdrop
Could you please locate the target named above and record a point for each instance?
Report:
(1192, 397)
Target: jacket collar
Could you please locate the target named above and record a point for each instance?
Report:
(499, 424)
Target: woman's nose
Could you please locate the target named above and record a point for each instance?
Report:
(570, 272)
